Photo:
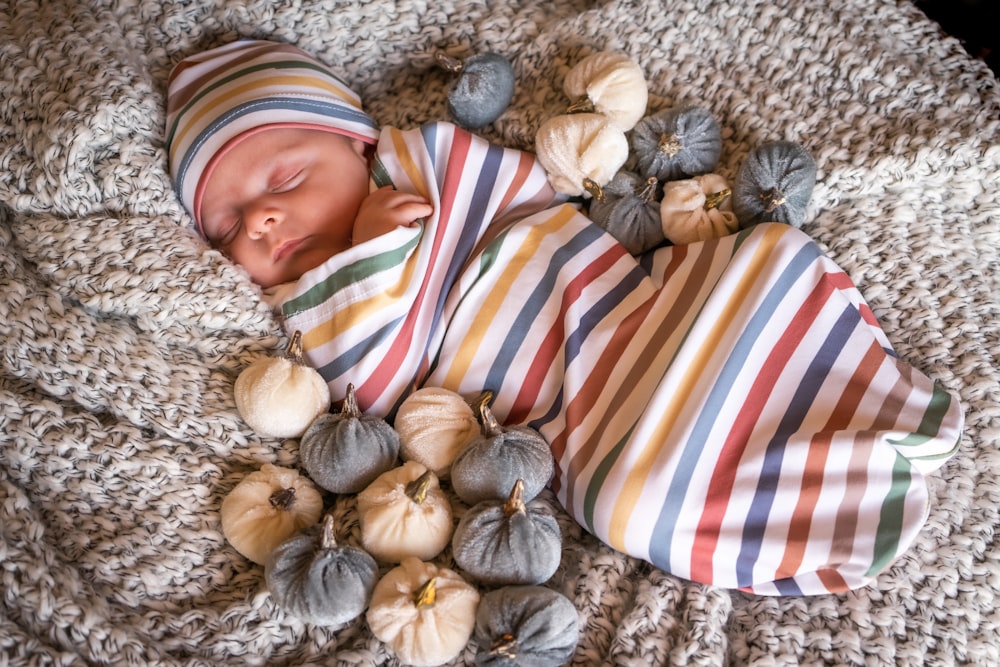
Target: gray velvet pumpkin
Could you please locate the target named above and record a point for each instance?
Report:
(525, 626)
(346, 451)
(482, 89)
(676, 143)
(489, 465)
(774, 184)
(318, 581)
(508, 542)
(629, 212)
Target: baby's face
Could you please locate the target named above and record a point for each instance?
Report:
(283, 201)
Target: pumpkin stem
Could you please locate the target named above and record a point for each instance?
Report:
(282, 499)
(488, 421)
(448, 63)
(773, 199)
(328, 538)
(715, 199)
(294, 351)
(417, 489)
(505, 646)
(426, 595)
(515, 502)
(350, 407)
(582, 104)
(669, 145)
(594, 188)
(648, 190)
(484, 398)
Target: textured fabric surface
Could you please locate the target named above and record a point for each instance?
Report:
(121, 336)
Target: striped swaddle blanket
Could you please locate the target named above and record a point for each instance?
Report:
(729, 410)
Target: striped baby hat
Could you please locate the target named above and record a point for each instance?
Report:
(220, 96)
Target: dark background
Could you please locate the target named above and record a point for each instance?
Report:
(972, 22)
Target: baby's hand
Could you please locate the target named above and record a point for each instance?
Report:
(385, 209)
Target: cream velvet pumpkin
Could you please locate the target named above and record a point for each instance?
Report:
(266, 507)
(424, 613)
(278, 397)
(609, 83)
(580, 152)
(405, 513)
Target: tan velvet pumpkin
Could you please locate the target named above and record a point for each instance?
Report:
(434, 424)
(697, 209)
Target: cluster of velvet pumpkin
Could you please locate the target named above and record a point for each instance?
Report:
(648, 178)
(505, 540)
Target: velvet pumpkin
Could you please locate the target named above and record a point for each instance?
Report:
(774, 184)
(609, 83)
(278, 397)
(630, 212)
(525, 626)
(678, 143)
(697, 209)
(424, 613)
(346, 451)
(318, 581)
(500, 456)
(482, 89)
(405, 513)
(580, 153)
(508, 542)
(434, 424)
(266, 507)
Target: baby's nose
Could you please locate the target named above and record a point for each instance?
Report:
(260, 221)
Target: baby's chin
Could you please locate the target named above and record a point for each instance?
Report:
(292, 268)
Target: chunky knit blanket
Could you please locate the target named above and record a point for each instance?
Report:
(121, 334)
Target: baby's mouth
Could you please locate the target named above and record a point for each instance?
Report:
(286, 249)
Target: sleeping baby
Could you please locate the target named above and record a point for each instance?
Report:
(730, 410)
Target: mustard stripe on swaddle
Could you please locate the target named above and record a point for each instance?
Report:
(730, 410)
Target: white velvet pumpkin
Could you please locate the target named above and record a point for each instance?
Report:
(266, 507)
(424, 613)
(580, 152)
(405, 513)
(609, 83)
(697, 209)
(278, 397)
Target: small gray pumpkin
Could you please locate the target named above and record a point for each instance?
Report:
(629, 212)
(482, 89)
(345, 452)
(676, 143)
(318, 581)
(525, 626)
(508, 542)
(501, 455)
(774, 184)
